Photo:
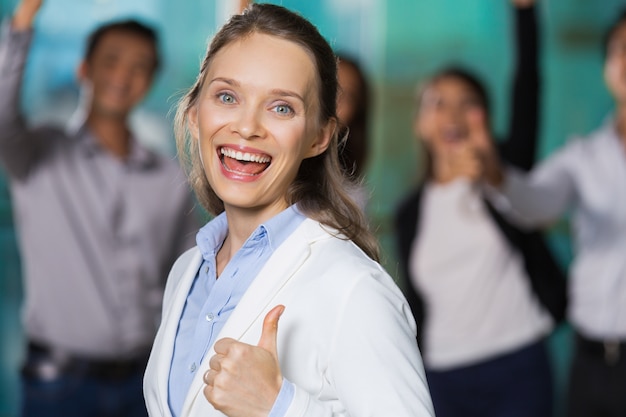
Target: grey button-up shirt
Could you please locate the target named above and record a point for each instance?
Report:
(97, 234)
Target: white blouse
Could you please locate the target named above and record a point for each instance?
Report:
(479, 299)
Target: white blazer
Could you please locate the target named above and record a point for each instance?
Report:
(346, 338)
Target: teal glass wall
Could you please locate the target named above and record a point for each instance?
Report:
(399, 43)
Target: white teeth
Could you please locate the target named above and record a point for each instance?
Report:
(245, 156)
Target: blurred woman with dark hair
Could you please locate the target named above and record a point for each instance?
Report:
(485, 294)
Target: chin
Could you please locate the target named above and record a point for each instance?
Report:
(114, 111)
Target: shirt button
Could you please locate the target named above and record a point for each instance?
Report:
(192, 367)
(209, 317)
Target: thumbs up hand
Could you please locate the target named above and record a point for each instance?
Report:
(244, 380)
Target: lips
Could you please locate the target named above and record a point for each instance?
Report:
(454, 134)
(244, 163)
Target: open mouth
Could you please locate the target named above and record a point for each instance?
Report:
(244, 163)
(117, 90)
(454, 134)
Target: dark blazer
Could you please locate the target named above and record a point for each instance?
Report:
(546, 276)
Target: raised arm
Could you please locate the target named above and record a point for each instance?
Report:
(25, 14)
(542, 196)
(520, 145)
(18, 146)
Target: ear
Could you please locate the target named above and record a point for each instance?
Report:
(323, 139)
(82, 71)
(192, 122)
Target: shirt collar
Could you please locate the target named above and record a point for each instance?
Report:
(279, 227)
(139, 156)
(211, 236)
(273, 232)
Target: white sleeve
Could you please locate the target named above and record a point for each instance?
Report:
(542, 196)
(375, 364)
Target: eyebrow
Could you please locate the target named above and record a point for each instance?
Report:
(277, 91)
(114, 51)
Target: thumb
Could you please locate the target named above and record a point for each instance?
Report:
(270, 330)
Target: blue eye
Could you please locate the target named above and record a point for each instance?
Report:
(283, 109)
(226, 98)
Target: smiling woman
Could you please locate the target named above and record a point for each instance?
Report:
(246, 109)
(258, 134)
(246, 163)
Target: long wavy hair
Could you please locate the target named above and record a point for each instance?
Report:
(320, 187)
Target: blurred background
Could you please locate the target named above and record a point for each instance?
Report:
(398, 42)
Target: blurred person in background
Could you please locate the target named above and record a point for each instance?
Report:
(485, 294)
(100, 220)
(587, 179)
(353, 108)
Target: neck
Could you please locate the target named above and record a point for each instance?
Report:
(112, 133)
(242, 222)
(443, 179)
(239, 229)
(441, 175)
(620, 122)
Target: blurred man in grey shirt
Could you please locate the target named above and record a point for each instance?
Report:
(100, 220)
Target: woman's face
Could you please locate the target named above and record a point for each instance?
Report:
(256, 120)
(445, 114)
(615, 65)
(349, 85)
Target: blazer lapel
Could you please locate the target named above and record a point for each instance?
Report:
(170, 319)
(257, 300)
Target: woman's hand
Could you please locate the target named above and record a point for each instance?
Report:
(243, 4)
(244, 380)
(474, 158)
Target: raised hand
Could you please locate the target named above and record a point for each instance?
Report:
(463, 159)
(523, 3)
(244, 380)
(483, 147)
(473, 158)
(25, 14)
(457, 161)
(243, 4)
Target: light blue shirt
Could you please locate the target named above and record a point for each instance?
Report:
(211, 301)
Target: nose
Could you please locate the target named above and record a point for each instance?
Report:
(249, 123)
(456, 112)
(120, 75)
